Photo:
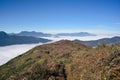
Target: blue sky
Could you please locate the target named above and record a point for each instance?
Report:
(95, 16)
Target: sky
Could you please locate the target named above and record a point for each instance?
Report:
(55, 16)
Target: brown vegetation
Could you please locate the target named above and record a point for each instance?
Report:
(65, 60)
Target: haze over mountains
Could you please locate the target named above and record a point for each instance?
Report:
(41, 34)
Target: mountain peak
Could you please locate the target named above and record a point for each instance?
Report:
(3, 34)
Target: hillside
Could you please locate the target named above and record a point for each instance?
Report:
(65, 60)
(6, 39)
(112, 40)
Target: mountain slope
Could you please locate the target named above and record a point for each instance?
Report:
(65, 60)
(6, 39)
(112, 40)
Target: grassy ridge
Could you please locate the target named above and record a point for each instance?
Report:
(65, 60)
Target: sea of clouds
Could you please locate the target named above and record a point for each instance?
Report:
(9, 52)
(85, 38)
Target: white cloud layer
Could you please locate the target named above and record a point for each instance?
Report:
(9, 52)
(86, 38)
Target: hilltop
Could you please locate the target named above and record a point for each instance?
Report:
(65, 60)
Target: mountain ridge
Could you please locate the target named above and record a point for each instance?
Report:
(94, 43)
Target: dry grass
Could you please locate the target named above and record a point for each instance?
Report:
(65, 60)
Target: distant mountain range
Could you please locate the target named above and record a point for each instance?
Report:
(26, 37)
(40, 34)
(6, 39)
(112, 40)
(34, 34)
(80, 34)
